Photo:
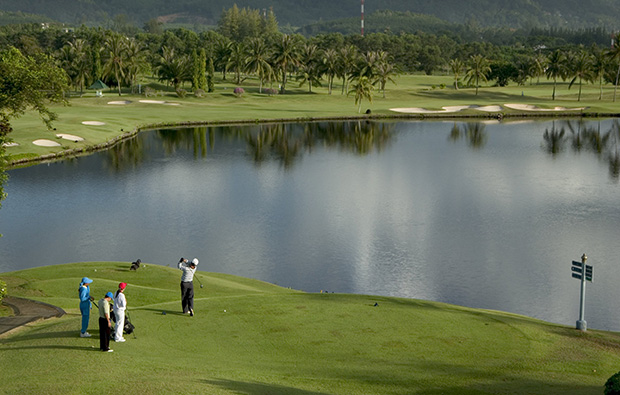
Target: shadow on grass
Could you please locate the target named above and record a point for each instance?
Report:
(240, 387)
(163, 311)
(41, 335)
(57, 347)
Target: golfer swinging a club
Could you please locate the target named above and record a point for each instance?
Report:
(187, 284)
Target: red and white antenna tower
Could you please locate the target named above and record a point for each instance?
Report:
(362, 18)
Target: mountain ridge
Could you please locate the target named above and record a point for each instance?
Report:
(486, 13)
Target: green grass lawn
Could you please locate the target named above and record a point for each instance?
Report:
(430, 92)
(250, 337)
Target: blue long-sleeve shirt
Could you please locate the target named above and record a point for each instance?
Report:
(84, 293)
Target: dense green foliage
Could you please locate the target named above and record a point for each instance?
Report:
(612, 385)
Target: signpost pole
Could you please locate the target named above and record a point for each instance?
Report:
(582, 325)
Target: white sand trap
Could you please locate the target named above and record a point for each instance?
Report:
(488, 108)
(10, 145)
(152, 101)
(172, 104)
(418, 110)
(455, 108)
(46, 143)
(529, 107)
(70, 137)
(93, 123)
(121, 102)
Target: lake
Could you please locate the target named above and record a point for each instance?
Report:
(479, 214)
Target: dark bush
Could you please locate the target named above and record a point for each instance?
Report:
(612, 386)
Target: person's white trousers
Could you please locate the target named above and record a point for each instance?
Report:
(120, 324)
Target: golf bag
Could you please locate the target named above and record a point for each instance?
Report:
(128, 327)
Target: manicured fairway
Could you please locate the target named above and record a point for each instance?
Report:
(250, 337)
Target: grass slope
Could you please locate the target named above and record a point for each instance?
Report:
(298, 104)
(273, 340)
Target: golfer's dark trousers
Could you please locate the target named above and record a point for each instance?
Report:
(187, 296)
(104, 334)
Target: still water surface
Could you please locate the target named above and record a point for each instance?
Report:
(480, 215)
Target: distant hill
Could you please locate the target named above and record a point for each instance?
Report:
(495, 13)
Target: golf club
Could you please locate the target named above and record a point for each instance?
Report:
(196, 277)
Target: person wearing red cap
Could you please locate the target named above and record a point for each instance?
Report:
(120, 304)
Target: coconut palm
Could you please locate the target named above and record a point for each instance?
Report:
(330, 66)
(115, 49)
(555, 68)
(614, 54)
(599, 65)
(384, 72)
(478, 70)
(457, 66)
(136, 61)
(286, 55)
(256, 60)
(236, 60)
(348, 57)
(362, 87)
(582, 69)
(309, 70)
(173, 68)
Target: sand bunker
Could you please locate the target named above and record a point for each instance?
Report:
(446, 109)
(488, 108)
(93, 123)
(46, 143)
(70, 137)
(10, 145)
(167, 103)
(529, 107)
(418, 110)
(121, 102)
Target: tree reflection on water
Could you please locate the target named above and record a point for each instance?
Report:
(283, 142)
(584, 137)
(473, 132)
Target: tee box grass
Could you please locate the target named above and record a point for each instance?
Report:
(251, 337)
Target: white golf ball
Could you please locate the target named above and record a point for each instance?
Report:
(224, 311)
(95, 269)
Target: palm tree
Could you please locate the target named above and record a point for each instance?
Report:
(457, 66)
(538, 66)
(363, 90)
(173, 68)
(555, 68)
(136, 61)
(115, 48)
(614, 54)
(309, 69)
(223, 49)
(286, 55)
(582, 70)
(348, 57)
(599, 65)
(256, 60)
(330, 65)
(384, 72)
(236, 60)
(478, 70)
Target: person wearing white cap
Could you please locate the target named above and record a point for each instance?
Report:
(187, 284)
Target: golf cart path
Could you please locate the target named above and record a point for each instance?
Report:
(26, 311)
